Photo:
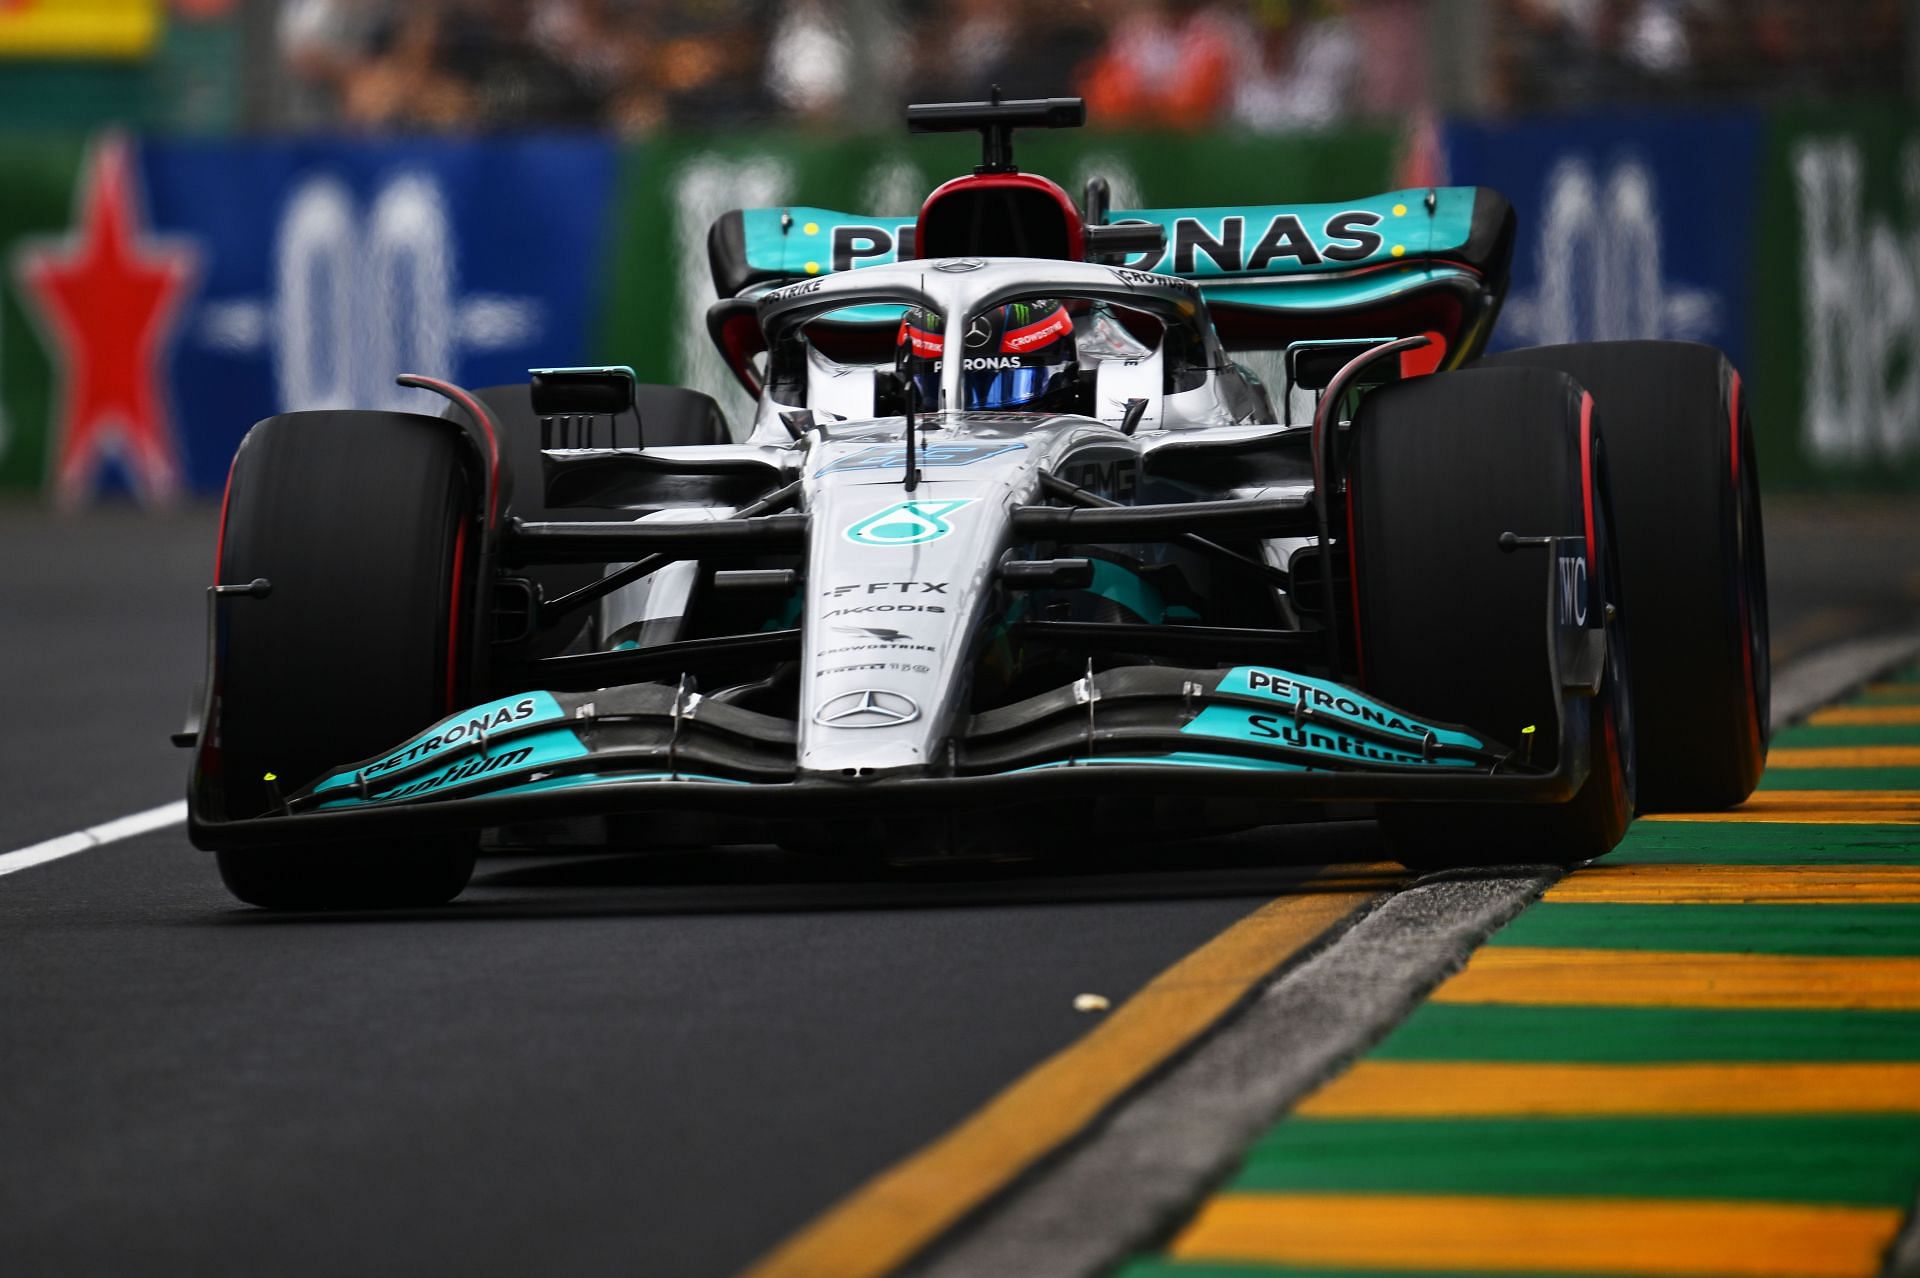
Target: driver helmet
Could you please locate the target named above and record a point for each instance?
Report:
(1017, 356)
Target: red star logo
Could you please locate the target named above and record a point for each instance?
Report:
(107, 295)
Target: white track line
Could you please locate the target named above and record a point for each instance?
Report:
(95, 836)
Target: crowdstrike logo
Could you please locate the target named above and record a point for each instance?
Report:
(1045, 331)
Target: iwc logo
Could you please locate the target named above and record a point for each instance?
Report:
(868, 708)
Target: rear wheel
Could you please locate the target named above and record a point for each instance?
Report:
(1687, 510)
(1451, 626)
(359, 520)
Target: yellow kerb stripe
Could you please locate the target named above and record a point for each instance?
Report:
(1486, 1089)
(1864, 715)
(1490, 1235)
(888, 1220)
(1902, 691)
(1651, 978)
(1816, 807)
(1901, 756)
(1739, 884)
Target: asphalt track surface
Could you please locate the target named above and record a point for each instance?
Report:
(662, 1065)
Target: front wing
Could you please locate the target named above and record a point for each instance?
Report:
(1258, 735)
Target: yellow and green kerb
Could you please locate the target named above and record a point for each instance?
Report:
(1698, 1057)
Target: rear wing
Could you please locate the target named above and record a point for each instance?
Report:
(1422, 260)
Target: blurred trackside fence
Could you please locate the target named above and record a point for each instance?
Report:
(159, 295)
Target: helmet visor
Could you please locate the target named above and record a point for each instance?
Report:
(924, 385)
(1009, 388)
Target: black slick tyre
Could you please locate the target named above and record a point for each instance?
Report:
(1686, 502)
(1451, 626)
(361, 522)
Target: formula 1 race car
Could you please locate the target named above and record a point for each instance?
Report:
(1014, 552)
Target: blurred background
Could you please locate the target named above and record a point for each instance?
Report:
(212, 210)
(637, 68)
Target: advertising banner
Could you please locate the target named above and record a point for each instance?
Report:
(78, 28)
(1635, 226)
(1838, 307)
(164, 296)
(157, 297)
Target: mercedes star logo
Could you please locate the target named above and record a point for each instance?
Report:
(979, 332)
(868, 708)
(956, 264)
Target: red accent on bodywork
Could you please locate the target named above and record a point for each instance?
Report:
(208, 752)
(1330, 399)
(1069, 215)
(1428, 309)
(479, 413)
(1616, 779)
(1746, 601)
(220, 538)
(453, 617)
(1038, 333)
(1353, 582)
(741, 340)
(1422, 360)
(1586, 481)
(1733, 425)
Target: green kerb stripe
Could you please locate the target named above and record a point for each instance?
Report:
(1840, 779)
(1863, 1160)
(1848, 734)
(1721, 929)
(1867, 1161)
(1648, 1035)
(1764, 843)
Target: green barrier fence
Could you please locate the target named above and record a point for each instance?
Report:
(37, 206)
(1836, 335)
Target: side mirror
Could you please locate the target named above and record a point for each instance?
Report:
(1312, 365)
(558, 392)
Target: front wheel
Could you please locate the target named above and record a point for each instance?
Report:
(360, 523)
(1451, 626)
(1687, 498)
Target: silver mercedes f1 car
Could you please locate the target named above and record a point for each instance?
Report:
(1018, 547)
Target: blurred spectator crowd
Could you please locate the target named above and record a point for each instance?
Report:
(1550, 54)
(640, 65)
